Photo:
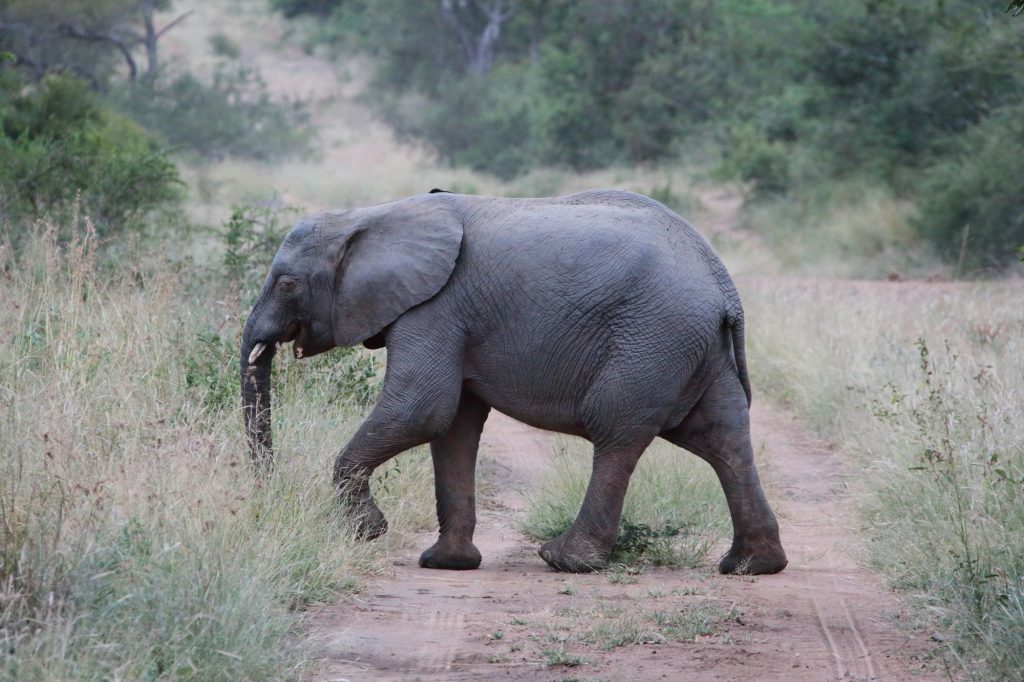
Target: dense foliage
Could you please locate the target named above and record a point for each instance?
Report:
(62, 151)
(232, 114)
(791, 91)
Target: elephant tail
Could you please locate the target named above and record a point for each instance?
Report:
(734, 318)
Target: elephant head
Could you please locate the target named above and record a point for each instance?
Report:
(340, 278)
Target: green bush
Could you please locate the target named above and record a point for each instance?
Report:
(483, 124)
(751, 158)
(63, 151)
(223, 46)
(233, 115)
(970, 204)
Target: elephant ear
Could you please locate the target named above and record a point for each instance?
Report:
(399, 255)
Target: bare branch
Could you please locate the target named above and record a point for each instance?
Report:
(174, 23)
(152, 35)
(122, 46)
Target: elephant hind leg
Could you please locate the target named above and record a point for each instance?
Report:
(454, 456)
(588, 542)
(718, 431)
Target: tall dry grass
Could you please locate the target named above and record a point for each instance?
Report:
(854, 228)
(134, 543)
(922, 383)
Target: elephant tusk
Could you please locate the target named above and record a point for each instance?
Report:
(257, 350)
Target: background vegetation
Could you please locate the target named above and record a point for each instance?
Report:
(154, 151)
(785, 94)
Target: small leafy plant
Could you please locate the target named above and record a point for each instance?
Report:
(251, 236)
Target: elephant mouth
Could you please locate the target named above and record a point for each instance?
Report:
(295, 332)
(299, 337)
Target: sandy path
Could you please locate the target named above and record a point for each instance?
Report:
(822, 619)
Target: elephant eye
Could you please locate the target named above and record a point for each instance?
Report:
(286, 286)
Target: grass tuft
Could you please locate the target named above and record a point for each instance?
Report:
(561, 657)
(674, 510)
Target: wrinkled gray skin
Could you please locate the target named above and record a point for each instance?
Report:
(601, 314)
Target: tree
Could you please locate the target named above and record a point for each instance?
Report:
(477, 25)
(85, 36)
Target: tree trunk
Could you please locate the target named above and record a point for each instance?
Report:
(149, 40)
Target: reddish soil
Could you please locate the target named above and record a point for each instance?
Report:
(823, 618)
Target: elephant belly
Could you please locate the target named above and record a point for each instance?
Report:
(584, 386)
(515, 387)
(558, 417)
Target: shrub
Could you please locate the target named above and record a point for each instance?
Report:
(234, 115)
(223, 46)
(293, 8)
(486, 125)
(970, 205)
(251, 237)
(60, 144)
(751, 158)
(796, 94)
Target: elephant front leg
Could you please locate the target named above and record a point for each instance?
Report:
(588, 542)
(454, 456)
(418, 404)
(378, 440)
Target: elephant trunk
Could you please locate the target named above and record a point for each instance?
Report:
(255, 364)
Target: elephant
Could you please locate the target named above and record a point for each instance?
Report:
(601, 314)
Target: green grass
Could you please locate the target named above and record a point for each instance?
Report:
(922, 385)
(561, 657)
(592, 623)
(134, 542)
(656, 627)
(674, 510)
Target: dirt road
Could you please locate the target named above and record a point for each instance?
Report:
(824, 618)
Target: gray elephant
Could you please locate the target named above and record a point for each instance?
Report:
(601, 314)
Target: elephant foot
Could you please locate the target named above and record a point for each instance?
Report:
(451, 555)
(574, 553)
(754, 556)
(369, 521)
